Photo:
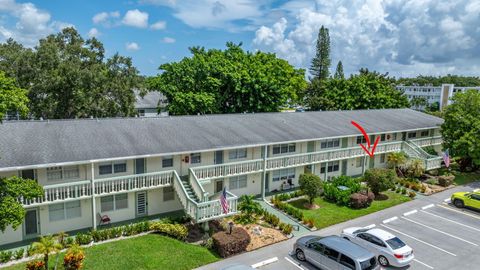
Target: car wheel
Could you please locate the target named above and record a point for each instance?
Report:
(346, 238)
(458, 203)
(382, 261)
(300, 255)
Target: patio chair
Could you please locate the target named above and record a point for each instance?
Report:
(104, 219)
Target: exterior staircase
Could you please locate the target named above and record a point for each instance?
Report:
(189, 189)
(416, 152)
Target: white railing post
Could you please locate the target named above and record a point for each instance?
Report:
(94, 211)
(264, 176)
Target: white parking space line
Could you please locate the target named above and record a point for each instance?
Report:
(452, 221)
(447, 200)
(410, 213)
(442, 232)
(294, 263)
(370, 226)
(458, 211)
(424, 264)
(262, 263)
(421, 241)
(389, 220)
(428, 206)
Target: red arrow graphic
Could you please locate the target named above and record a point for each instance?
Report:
(366, 149)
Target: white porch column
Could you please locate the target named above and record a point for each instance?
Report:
(264, 178)
(94, 208)
(364, 164)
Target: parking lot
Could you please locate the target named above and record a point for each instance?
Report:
(442, 236)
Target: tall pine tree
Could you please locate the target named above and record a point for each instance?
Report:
(339, 71)
(321, 62)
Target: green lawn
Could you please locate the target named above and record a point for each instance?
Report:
(462, 178)
(329, 213)
(145, 252)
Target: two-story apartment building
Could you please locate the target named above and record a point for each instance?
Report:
(128, 168)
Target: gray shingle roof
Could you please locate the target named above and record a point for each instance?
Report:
(24, 143)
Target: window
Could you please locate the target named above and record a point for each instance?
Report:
(237, 153)
(112, 167)
(395, 243)
(168, 194)
(382, 158)
(331, 253)
(424, 133)
(412, 135)
(167, 162)
(114, 202)
(283, 174)
(141, 112)
(358, 162)
(71, 172)
(54, 173)
(195, 158)
(361, 139)
(347, 262)
(317, 247)
(62, 211)
(283, 148)
(382, 137)
(330, 143)
(105, 169)
(333, 166)
(120, 167)
(237, 182)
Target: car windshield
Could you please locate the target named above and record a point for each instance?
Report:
(395, 243)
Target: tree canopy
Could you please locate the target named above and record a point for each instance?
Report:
(367, 90)
(439, 80)
(12, 98)
(461, 129)
(311, 185)
(339, 71)
(67, 77)
(321, 62)
(228, 81)
(12, 212)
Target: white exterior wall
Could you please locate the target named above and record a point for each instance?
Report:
(11, 236)
(52, 227)
(156, 205)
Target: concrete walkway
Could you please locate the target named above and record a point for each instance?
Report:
(285, 219)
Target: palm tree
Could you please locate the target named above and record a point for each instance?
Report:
(61, 237)
(46, 246)
(248, 205)
(416, 167)
(396, 160)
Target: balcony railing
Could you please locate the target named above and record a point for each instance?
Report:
(229, 169)
(433, 163)
(61, 192)
(422, 142)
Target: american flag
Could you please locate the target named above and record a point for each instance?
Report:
(223, 200)
(446, 158)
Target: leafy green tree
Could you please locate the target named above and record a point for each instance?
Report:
(415, 167)
(380, 179)
(68, 77)
(461, 129)
(439, 80)
(249, 209)
(418, 102)
(339, 71)
(228, 81)
(12, 98)
(395, 160)
(310, 185)
(367, 90)
(12, 212)
(321, 62)
(434, 107)
(46, 246)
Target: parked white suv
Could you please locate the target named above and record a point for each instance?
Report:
(388, 248)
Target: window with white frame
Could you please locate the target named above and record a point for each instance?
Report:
(424, 133)
(237, 182)
(63, 211)
(114, 202)
(330, 143)
(168, 194)
(237, 153)
(333, 166)
(382, 137)
(167, 162)
(283, 174)
(195, 158)
(283, 148)
(412, 135)
(112, 167)
(59, 173)
(361, 139)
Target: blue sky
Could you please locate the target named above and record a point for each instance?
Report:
(403, 37)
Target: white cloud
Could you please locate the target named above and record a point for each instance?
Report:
(399, 36)
(160, 25)
(93, 33)
(136, 18)
(168, 40)
(31, 22)
(106, 18)
(132, 46)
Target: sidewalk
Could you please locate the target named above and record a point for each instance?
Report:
(285, 219)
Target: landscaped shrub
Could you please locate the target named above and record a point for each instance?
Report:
(5, 256)
(83, 238)
(309, 222)
(30, 250)
(445, 180)
(423, 189)
(415, 167)
(271, 219)
(311, 185)
(19, 253)
(35, 265)
(430, 150)
(73, 258)
(177, 231)
(432, 181)
(412, 194)
(404, 191)
(285, 228)
(358, 200)
(333, 193)
(379, 179)
(398, 190)
(230, 244)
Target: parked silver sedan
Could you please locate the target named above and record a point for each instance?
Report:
(333, 252)
(388, 248)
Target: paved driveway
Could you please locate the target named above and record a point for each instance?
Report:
(442, 236)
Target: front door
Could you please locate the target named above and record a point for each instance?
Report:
(267, 181)
(31, 228)
(218, 158)
(218, 186)
(139, 165)
(141, 203)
